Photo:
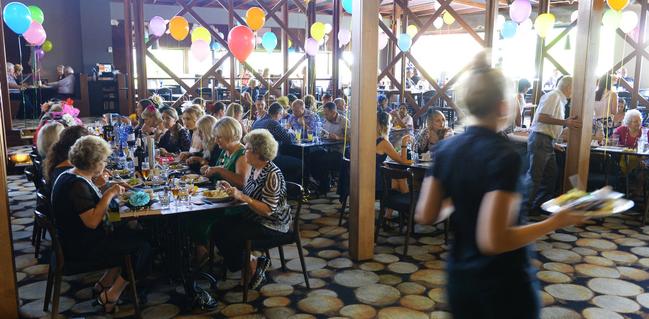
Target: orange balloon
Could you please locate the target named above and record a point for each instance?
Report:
(255, 23)
(617, 5)
(179, 28)
(255, 12)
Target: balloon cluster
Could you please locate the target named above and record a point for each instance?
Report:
(625, 20)
(519, 12)
(28, 23)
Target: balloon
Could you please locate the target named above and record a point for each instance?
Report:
(290, 43)
(347, 5)
(438, 23)
(500, 21)
(241, 42)
(215, 46)
(520, 10)
(17, 17)
(39, 53)
(617, 5)
(201, 33)
(448, 18)
(200, 49)
(344, 36)
(509, 29)
(157, 26)
(544, 23)
(37, 14)
(574, 15)
(383, 40)
(405, 41)
(525, 26)
(47, 46)
(318, 30)
(328, 28)
(611, 19)
(412, 30)
(269, 41)
(35, 35)
(255, 18)
(179, 28)
(311, 46)
(629, 21)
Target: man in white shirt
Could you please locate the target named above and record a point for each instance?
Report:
(548, 122)
(323, 161)
(65, 86)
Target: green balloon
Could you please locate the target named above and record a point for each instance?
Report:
(47, 46)
(37, 14)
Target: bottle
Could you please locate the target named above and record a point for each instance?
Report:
(138, 159)
(130, 164)
(131, 136)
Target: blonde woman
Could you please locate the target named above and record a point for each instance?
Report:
(152, 122)
(434, 132)
(190, 117)
(205, 128)
(47, 136)
(235, 110)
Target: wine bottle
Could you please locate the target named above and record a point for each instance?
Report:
(139, 155)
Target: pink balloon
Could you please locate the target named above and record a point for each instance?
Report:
(200, 50)
(520, 10)
(311, 46)
(35, 35)
(344, 36)
(157, 26)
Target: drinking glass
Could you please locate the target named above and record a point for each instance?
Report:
(165, 198)
(298, 135)
(309, 136)
(145, 170)
(189, 186)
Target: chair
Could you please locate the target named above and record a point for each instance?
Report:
(294, 192)
(44, 206)
(59, 267)
(343, 187)
(403, 203)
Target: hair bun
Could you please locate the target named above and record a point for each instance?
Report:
(481, 62)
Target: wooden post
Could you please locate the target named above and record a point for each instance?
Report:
(287, 83)
(544, 7)
(642, 27)
(583, 96)
(8, 290)
(491, 15)
(335, 63)
(140, 50)
(128, 52)
(233, 61)
(362, 215)
(404, 61)
(310, 15)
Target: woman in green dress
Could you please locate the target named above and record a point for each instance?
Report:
(230, 166)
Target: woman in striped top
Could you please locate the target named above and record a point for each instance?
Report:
(268, 215)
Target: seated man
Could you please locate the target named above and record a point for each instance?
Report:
(336, 127)
(65, 86)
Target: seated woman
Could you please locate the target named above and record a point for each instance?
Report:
(605, 106)
(190, 117)
(268, 214)
(153, 125)
(57, 160)
(629, 132)
(176, 138)
(310, 103)
(402, 124)
(247, 102)
(79, 210)
(136, 118)
(210, 152)
(384, 149)
(47, 136)
(235, 110)
(434, 132)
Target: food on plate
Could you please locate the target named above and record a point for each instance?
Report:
(121, 172)
(570, 196)
(134, 181)
(177, 166)
(194, 178)
(217, 193)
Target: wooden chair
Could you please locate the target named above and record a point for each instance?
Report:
(294, 192)
(403, 203)
(343, 187)
(59, 268)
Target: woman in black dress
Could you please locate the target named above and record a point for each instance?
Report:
(489, 270)
(176, 137)
(79, 212)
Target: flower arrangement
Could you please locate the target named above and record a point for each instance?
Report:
(69, 114)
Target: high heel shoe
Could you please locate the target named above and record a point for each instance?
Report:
(110, 307)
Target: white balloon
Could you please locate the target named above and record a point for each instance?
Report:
(328, 28)
(574, 16)
(383, 40)
(438, 23)
(526, 25)
(500, 21)
(629, 21)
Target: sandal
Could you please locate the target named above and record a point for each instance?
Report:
(97, 291)
(110, 307)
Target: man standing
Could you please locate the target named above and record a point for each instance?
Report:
(548, 122)
(323, 161)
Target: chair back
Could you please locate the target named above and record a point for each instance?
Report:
(344, 179)
(45, 222)
(295, 191)
(43, 203)
(388, 174)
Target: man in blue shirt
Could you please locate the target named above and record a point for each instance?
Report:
(302, 119)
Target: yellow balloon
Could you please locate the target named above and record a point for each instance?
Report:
(543, 24)
(179, 28)
(617, 5)
(290, 43)
(318, 31)
(255, 18)
(412, 30)
(448, 18)
(201, 33)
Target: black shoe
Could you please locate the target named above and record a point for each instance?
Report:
(263, 263)
(203, 300)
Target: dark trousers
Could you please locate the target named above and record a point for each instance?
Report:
(321, 163)
(540, 179)
(290, 166)
(231, 234)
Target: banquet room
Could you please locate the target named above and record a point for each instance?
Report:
(213, 159)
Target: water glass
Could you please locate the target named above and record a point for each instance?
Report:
(165, 198)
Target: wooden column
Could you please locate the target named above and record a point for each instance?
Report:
(8, 290)
(128, 52)
(394, 25)
(285, 61)
(140, 49)
(544, 7)
(491, 15)
(233, 61)
(642, 26)
(583, 96)
(310, 17)
(335, 63)
(363, 159)
(404, 61)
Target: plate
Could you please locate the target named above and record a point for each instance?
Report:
(216, 196)
(425, 160)
(134, 182)
(121, 173)
(178, 167)
(619, 205)
(195, 178)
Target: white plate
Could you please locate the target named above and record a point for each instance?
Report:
(621, 205)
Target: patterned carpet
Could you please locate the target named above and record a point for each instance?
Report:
(597, 270)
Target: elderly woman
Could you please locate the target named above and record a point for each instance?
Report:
(152, 122)
(176, 138)
(190, 117)
(434, 132)
(268, 214)
(629, 133)
(47, 136)
(79, 211)
(210, 150)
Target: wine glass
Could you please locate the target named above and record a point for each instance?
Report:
(145, 170)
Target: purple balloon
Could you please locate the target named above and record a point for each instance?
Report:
(157, 26)
(39, 53)
(311, 46)
(520, 10)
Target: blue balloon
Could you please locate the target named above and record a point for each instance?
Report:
(17, 17)
(404, 42)
(347, 5)
(269, 41)
(509, 29)
(216, 46)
